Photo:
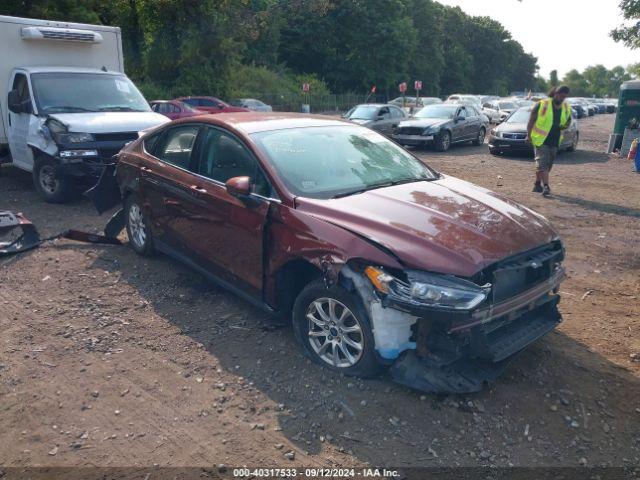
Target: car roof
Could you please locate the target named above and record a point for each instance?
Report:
(254, 122)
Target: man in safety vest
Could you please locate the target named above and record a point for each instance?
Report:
(544, 130)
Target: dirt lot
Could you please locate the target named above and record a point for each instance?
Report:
(108, 359)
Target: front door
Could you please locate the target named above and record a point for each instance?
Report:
(224, 231)
(19, 126)
(459, 128)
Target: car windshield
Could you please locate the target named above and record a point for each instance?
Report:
(507, 106)
(363, 112)
(437, 111)
(86, 92)
(336, 161)
(520, 116)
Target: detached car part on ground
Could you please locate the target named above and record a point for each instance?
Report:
(377, 260)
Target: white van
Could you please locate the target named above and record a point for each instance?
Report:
(67, 107)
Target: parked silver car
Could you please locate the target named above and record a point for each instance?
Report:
(252, 104)
(383, 118)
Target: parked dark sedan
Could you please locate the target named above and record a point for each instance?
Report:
(511, 134)
(374, 257)
(379, 117)
(442, 125)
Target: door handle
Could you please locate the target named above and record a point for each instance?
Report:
(198, 189)
(145, 169)
(169, 202)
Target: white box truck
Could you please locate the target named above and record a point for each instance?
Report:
(67, 107)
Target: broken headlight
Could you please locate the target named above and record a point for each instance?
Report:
(62, 136)
(429, 290)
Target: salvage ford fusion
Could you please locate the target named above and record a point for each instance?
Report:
(377, 259)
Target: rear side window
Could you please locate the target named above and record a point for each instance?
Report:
(205, 102)
(150, 142)
(177, 145)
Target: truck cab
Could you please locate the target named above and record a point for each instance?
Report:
(65, 118)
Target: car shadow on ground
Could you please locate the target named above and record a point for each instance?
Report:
(599, 206)
(376, 420)
(564, 158)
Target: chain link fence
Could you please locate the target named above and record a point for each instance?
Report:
(318, 103)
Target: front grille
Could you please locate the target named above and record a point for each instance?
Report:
(116, 137)
(522, 272)
(411, 131)
(514, 136)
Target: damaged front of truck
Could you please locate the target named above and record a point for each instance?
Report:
(78, 120)
(472, 278)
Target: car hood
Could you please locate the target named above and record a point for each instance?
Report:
(424, 122)
(446, 226)
(110, 122)
(512, 127)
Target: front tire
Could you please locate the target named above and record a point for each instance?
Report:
(480, 138)
(494, 151)
(574, 146)
(49, 183)
(443, 142)
(138, 230)
(334, 331)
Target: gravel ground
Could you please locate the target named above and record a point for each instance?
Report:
(109, 359)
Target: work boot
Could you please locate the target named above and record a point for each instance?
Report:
(546, 191)
(537, 187)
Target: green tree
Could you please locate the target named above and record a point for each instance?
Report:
(629, 33)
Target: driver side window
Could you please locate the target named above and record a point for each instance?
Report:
(223, 157)
(21, 84)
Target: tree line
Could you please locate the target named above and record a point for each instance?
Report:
(253, 47)
(248, 47)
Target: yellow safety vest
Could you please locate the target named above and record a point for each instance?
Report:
(544, 122)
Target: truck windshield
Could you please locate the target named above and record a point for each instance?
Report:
(86, 92)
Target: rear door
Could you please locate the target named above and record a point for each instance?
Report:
(18, 128)
(473, 122)
(166, 183)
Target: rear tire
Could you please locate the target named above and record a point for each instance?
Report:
(341, 341)
(137, 225)
(443, 142)
(50, 185)
(480, 138)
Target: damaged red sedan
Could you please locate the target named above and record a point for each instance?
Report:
(377, 259)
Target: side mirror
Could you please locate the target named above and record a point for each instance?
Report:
(459, 118)
(15, 105)
(380, 117)
(239, 186)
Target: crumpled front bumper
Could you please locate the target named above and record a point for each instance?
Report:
(458, 352)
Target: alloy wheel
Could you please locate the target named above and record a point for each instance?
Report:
(137, 226)
(335, 334)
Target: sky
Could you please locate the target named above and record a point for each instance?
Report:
(563, 34)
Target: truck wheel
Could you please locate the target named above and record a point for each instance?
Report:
(50, 185)
(137, 227)
(334, 331)
(443, 141)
